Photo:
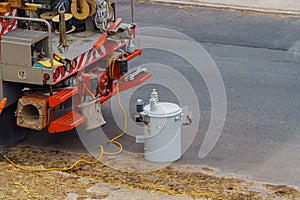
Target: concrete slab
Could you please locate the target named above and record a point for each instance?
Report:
(290, 7)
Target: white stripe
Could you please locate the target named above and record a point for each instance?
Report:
(84, 59)
(77, 62)
(14, 12)
(97, 54)
(102, 48)
(91, 57)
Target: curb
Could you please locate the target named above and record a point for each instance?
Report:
(285, 7)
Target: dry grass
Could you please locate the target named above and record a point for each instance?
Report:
(18, 184)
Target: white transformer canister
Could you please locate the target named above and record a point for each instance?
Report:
(162, 134)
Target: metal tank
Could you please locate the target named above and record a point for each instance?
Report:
(162, 130)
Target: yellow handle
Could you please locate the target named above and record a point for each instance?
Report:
(31, 6)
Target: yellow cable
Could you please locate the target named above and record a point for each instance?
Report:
(124, 129)
(111, 65)
(57, 168)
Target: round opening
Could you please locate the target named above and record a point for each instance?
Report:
(30, 114)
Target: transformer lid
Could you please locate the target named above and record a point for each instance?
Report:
(163, 109)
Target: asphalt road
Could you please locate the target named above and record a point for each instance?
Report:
(257, 56)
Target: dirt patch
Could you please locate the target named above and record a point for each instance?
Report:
(283, 191)
(79, 182)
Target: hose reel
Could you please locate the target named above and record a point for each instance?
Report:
(80, 9)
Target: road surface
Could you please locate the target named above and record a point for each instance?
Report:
(257, 56)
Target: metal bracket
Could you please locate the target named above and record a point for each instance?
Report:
(139, 139)
(143, 118)
(189, 120)
(186, 116)
(131, 76)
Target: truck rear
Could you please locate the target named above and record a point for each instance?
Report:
(58, 55)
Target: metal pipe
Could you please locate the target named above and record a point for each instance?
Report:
(132, 14)
(37, 20)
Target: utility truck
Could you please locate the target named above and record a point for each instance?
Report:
(60, 53)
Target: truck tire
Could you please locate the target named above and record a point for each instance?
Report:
(10, 133)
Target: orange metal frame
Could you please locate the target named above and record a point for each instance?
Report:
(73, 119)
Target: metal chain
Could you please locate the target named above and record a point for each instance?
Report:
(104, 15)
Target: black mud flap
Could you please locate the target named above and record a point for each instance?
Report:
(9, 132)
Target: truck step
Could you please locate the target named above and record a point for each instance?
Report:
(61, 96)
(66, 122)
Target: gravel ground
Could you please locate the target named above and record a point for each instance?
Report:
(99, 181)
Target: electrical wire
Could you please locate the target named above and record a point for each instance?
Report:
(35, 169)
(124, 128)
(111, 66)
